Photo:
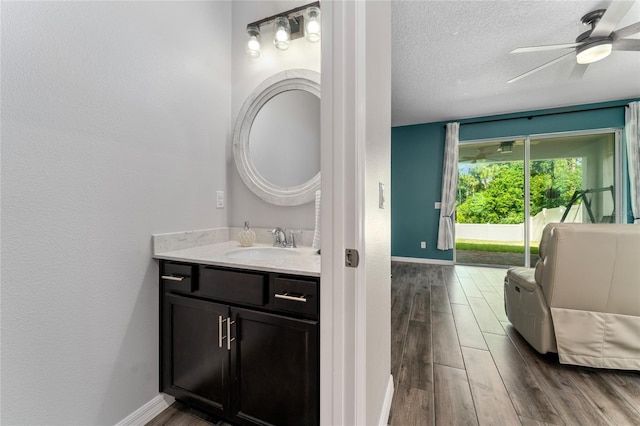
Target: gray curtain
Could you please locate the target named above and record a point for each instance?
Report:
(632, 133)
(449, 187)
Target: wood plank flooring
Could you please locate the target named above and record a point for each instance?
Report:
(179, 414)
(458, 361)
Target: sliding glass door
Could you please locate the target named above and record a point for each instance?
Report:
(572, 179)
(490, 208)
(509, 189)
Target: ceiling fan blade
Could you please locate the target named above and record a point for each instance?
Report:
(528, 73)
(578, 71)
(544, 48)
(626, 31)
(627, 44)
(611, 18)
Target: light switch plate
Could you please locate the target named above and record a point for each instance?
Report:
(219, 199)
(423, 244)
(381, 195)
(438, 205)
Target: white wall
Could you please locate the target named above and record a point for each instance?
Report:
(247, 74)
(115, 122)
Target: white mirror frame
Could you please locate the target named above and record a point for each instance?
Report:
(295, 79)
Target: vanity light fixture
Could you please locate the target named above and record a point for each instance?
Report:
(287, 26)
(253, 41)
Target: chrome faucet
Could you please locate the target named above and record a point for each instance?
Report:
(292, 238)
(280, 237)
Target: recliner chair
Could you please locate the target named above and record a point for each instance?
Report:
(582, 300)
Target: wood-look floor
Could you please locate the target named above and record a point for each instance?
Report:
(179, 414)
(456, 360)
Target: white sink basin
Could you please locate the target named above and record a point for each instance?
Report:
(261, 253)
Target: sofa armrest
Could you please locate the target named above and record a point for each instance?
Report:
(527, 309)
(523, 278)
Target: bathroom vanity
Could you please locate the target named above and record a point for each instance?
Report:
(239, 327)
(239, 339)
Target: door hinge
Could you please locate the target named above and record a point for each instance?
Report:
(351, 258)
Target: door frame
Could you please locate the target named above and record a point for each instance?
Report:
(343, 299)
(338, 398)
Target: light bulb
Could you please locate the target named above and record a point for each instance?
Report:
(282, 31)
(253, 41)
(313, 27)
(253, 44)
(282, 35)
(312, 30)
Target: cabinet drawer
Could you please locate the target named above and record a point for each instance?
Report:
(177, 277)
(294, 295)
(233, 286)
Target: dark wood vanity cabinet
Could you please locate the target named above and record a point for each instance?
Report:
(276, 369)
(195, 366)
(241, 345)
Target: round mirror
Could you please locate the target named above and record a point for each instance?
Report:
(284, 143)
(276, 139)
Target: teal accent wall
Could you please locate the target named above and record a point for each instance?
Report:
(417, 153)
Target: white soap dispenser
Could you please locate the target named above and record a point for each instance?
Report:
(247, 236)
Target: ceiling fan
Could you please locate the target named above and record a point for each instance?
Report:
(594, 44)
(480, 156)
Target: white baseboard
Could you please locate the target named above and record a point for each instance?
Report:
(386, 405)
(148, 411)
(420, 260)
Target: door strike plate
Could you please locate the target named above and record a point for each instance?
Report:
(351, 258)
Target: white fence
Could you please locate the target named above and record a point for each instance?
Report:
(489, 232)
(515, 232)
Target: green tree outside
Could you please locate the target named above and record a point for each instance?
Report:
(494, 192)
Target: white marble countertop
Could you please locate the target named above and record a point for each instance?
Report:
(306, 263)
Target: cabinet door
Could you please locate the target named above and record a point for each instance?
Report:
(195, 360)
(275, 363)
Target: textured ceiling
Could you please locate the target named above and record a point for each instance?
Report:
(451, 59)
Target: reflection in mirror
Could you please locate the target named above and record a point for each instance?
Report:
(284, 143)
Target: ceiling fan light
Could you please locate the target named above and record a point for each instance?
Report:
(506, 147)
(593, 52)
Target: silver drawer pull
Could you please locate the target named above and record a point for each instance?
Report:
(220, 321)
(229, 338)
(173, 277)
(294, 298)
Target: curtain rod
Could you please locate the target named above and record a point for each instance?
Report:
(530, 117)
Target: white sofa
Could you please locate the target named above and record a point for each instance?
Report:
(582, 300)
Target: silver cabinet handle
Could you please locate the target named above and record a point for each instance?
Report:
(173, 277)
(229, 339)
(220, 321)
(293, 298)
